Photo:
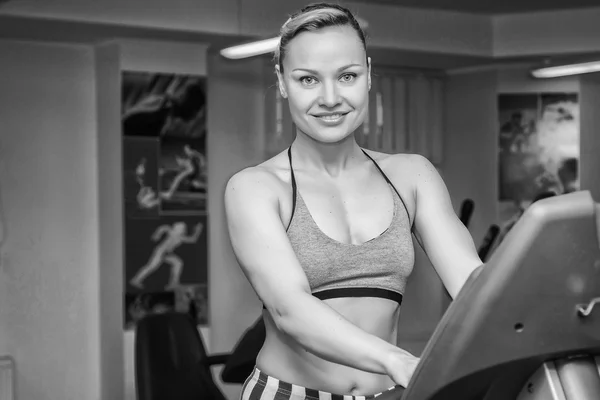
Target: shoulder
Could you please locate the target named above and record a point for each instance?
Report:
(411, 175)
(397, 159)
(263, 180)
(251, 181)
(405, 172)
(406, 167)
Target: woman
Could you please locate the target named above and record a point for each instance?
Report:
(323, 231)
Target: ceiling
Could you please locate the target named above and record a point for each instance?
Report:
(492, 6)
(36, 29)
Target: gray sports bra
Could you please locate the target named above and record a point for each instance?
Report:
(379, 267)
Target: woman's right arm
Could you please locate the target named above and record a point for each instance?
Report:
(266, 256)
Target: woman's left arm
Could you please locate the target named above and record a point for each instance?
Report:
(439, 231)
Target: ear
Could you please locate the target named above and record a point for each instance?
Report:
(369, 69)
(280, 82)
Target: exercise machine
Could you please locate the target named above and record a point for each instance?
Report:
(526, 325)
(483, 251)
(466, 211)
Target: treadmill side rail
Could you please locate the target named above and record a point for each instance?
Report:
(579, 378)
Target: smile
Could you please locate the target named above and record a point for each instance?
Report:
(331, 119)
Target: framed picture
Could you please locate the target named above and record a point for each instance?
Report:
(165, 194)
(538, 150)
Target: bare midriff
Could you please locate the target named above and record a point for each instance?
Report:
(283, 358)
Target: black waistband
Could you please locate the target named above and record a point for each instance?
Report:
(358, 292)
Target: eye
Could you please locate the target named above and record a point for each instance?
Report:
(308, 80)
(347, 78)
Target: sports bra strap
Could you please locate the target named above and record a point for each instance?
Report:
(294, 189)
(390, 183)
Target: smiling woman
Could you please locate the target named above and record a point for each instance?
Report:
(330, 75)
(324, 230)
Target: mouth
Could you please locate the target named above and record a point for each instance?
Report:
(331, 118)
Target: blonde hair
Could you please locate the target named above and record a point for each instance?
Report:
(312, 18)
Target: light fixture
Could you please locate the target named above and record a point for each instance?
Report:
(251, 49)
(264, 46)
(566, 70)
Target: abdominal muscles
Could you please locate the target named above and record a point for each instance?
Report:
(283, 358)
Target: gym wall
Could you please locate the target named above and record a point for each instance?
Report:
(49, 292)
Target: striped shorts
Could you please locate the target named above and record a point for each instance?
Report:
(260, 386)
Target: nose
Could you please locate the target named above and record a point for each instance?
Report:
(330, 96)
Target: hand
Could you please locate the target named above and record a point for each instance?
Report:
(401, 367)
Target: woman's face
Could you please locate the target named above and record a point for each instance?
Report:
(326, 79)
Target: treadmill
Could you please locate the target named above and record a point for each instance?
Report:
(526, 325)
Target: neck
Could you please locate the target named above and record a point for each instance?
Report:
(330, 158)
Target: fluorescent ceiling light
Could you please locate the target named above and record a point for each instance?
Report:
(251, 49)
(263, 46)
(565, 70)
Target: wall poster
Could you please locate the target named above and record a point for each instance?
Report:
(165, 194)
(538, 150)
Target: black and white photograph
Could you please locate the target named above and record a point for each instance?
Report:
(166, 253)
(183, 176)
(141, 177)
(164, 178)
(160, 105)
(538, 149)
(299, 200)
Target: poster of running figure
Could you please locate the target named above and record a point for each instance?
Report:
(182, 176)
(164, 176)
(165, 194)
(538, 150)
(164, 254)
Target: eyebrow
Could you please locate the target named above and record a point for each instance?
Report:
(338, 70)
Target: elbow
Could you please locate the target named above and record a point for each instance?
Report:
(284, 323)
(284, 318)
(287, 313)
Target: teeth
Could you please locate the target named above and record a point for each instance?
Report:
(332, 117)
